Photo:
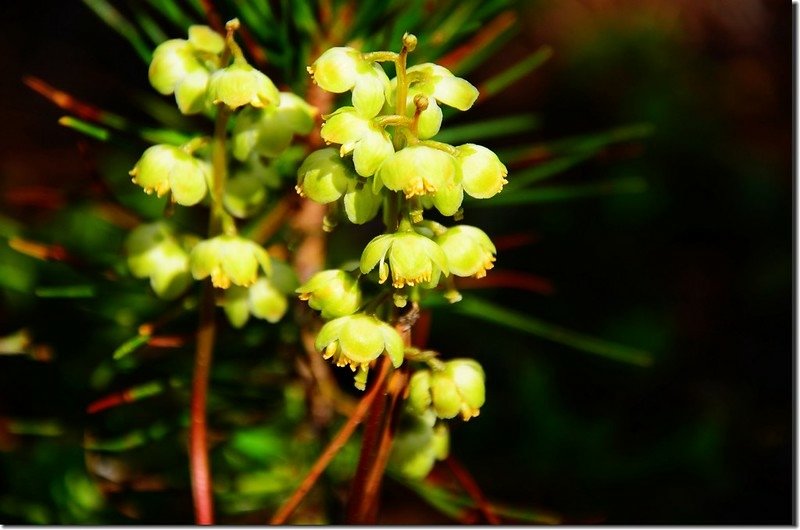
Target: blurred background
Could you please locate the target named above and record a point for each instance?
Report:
(694, 267)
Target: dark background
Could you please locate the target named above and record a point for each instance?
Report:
(696, 269)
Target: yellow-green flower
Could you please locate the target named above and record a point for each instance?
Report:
(413, 259)
(369, 143)
(154, 252)
(457, 388)
(164, 168)
(229, 260)
(484, 175)
(469, 250)
(357, 340)
(419, 170)
(333, 292)
(341, 69)
(240, 84)
(269, 132)
(262, 300)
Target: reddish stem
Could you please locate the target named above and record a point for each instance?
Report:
(198, 437)
(333, 447)
(472, 489)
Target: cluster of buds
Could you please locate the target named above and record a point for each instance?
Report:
(254, 126)
(383, 157)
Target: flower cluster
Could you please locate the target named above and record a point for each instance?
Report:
(383, 157)
(254, 127)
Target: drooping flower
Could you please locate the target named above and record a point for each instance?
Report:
(240, 84)
(324, 177)
(153, 251)
(458, 387)
(469, 250)
(262, 300)
(269, 132)
(418, 443)
(413, 259)
(484, 175)
(341, 69)
(369, 143)
(164, 168)
(419, 170)
(357, 340)
(438, 85)
(229, 260)
(333, 292)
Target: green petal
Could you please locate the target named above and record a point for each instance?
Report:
(323, 177)
(267, 302)
(361, 339)
(362, 205)
(345, 126)
(205, 39)
(374, 147)
(369, 92)
(445, 396)
(375, 251)
(393, 342)
(448, 199)
(190, 92)
(335, 70)
(455, 92)
(236, 306)
(330, 332)
(419, 391)
(483, 174)
(187, 181)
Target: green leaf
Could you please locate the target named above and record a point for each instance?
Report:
(67, 291)
(121, 25)
(489, 312)
(561, 193)
(501, 81)
(482, 130)
(550, 168)
(149, 26)
(84, 127)
(129, 346)
(175, 13)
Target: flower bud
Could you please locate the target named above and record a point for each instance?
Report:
(269, 133)
(204, 39)
(457, 388)
(413, 259)
(228, 260)
(469, 250)
(438, 85)
(175, 68)
(483, 173)
(262, 299)
(240, 84)
(154, 252)
(244, 195)
(356, 340)
(361, 205)
(418, 444)
(369, 142)
(164, 168)
(333, 291)
(324, 177)
(341, 69)
(418, 170)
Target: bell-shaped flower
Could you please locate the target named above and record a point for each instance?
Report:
(175, 68)
(262, 300)
(369, 143)
(413, 259)
(418, 443)
(240, 84)
(341, 69)
(361, 203)
(439, 85)
(458, 387)
(244, 195)
(270, 132)
(229, 260)
(419, 170)
(469, 250)
(357, 340)
(154, 252)
(324, 177)
(164, 168)
(205, 40)
(484, 175)
(333, 292)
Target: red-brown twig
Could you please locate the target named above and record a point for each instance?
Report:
(363, 508)
(198, 439)
(333, 447)
(472, 489)
(212, 15)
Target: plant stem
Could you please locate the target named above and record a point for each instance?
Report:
(333, 447)
(206, 334)
(472, 489)
(363, 508)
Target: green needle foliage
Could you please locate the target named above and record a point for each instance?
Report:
(233, 187)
